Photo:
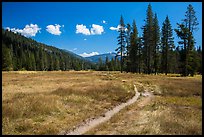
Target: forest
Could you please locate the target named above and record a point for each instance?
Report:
(152, 53)
(21, 53)
(155, 52)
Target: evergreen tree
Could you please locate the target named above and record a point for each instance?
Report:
(100, 62)
(199, 53)
(37, 60)
(133, 53)
(45, 60)
(121, 42)
(56, 63)
(156, 41)
(32, 58)
(167, 46)
(190, 21)
(112, 65)
(6, 58)
(148, 30)
(41, 59)
(193, 62)
(62, 63)
(183, 33)
(128, 38)
(28, 61)
(107, 64)
(140, 54)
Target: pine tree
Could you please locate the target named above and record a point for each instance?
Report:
(199, 52)
(41, 59)
(140, 54)
(106, 64)
(100, 62)
(193, 62)
(174, 66)
(183, 33)
(6, 58)
(191, 23)
(167, 46)
(45, 60)
(56, 63)
(121, 42)
(112, 65)
(148, 40)
(62, 63)
(28, 61)
(32, 58)
(21, 58)
(133, 53)
(128, 37)
(156, 41)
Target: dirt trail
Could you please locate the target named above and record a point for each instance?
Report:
(89, 124)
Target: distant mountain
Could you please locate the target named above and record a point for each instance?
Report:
(95, 58)
(75, 55)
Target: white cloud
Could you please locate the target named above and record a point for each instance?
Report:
(117, 29)
(85, 39)
(104, 22)
(113, 28)
(89, 54)
(74, 49)
(8, 28)
(95, 30)
(82, 29)
(28, 31)
(55, 30)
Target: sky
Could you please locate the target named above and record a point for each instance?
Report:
(89, 28)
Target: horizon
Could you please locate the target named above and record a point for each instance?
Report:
(85, 28)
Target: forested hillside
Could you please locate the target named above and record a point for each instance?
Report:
(21, 53)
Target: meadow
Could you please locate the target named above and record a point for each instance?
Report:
(37, 102)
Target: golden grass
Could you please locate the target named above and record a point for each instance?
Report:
(153, 119)
(175, 109)
(53, 102)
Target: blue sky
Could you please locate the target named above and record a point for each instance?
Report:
(84, 27)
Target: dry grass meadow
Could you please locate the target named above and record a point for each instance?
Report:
(55, 102)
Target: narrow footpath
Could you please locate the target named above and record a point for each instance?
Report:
(91, 123)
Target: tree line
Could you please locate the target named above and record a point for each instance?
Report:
(21, 53)
(155, 51)
(151, 53)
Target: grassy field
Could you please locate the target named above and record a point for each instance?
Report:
(55, 102)
(175, 108)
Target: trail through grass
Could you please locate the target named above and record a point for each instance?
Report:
(53, 102)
